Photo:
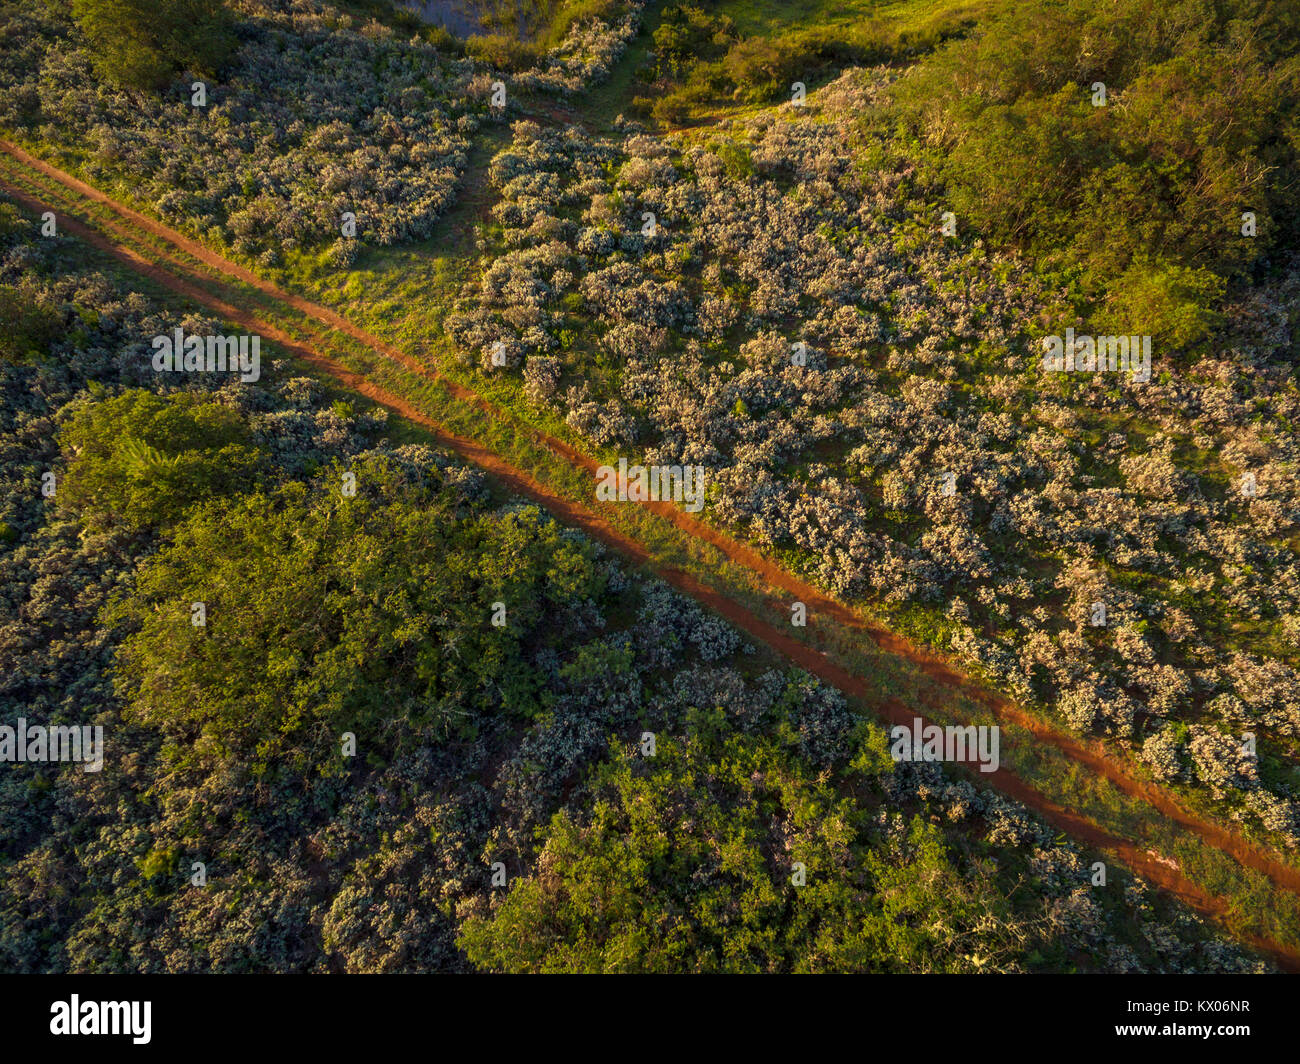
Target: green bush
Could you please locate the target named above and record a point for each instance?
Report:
(1142, 196)
(1173, 304)
(370, 613)
(763, 70)
(683, 864)
(28, 325)
(142, 44)
(140, 459)
(688, 35)
(501, 52)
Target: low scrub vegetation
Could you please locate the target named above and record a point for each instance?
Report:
(864, 265)
(869, 393)
(346, 765)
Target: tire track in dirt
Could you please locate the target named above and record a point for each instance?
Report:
(1145, 864)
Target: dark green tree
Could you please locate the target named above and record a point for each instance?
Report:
(687, 862)
(371, 614)
(142, 44)
(140, 459)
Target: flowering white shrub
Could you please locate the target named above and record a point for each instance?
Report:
(586, 55)
(318, 115)
(797, 323)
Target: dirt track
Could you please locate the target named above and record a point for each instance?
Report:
(185, 281)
